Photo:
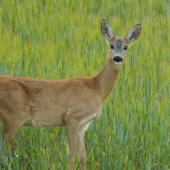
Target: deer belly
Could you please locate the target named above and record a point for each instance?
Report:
(33, 123)
(45, 120)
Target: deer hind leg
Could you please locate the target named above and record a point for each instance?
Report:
(9, 130)
(11, 125)
(14, 111)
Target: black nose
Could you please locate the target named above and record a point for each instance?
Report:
(117, 59)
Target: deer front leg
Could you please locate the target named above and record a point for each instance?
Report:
(81, 146)
(72, 126)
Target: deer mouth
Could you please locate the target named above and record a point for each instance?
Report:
(117, 60)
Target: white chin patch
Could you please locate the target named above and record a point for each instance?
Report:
(117, 62)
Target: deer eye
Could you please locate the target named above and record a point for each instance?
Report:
(125, 47)
(112, 46)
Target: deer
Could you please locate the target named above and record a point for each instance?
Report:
(73, 103)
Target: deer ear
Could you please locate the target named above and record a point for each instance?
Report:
(107, 30)
(133, 33)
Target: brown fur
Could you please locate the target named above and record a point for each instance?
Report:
(73, 103)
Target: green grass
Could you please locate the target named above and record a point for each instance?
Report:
(62, 39)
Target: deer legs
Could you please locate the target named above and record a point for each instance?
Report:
(72, 126)
(81, 147)
(75, 137)
(9, 131)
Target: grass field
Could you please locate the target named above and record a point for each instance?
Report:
(62, 39)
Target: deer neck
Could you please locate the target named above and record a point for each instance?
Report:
(107, 78)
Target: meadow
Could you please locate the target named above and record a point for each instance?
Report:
(60, 39)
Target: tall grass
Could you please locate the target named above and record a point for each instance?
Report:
(62, 39)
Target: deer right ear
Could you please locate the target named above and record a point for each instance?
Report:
(107, 30)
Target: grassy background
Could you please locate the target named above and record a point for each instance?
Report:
(62, 39)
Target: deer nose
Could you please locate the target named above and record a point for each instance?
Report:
(117, 59)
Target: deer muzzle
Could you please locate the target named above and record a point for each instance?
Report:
(117, 59)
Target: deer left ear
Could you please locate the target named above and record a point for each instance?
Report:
(133, 33)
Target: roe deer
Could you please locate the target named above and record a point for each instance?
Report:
(73, 102)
